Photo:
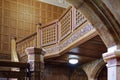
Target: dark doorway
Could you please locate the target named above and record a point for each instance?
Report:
(103, 74)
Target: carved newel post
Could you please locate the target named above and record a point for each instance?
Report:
(14, 56)
(112, 57)
(36, 60)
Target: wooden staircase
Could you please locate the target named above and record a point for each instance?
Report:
(61, 35)
(57, 37)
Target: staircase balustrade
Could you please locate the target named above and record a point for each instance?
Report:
(60, 35)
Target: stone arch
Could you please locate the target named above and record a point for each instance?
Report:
(103, 17)
(102, 74)
(92, 69)
(79, 74)
(97, 69)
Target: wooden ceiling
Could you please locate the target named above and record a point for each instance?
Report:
(88, 51)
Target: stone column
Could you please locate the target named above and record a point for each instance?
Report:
(36, 60)
(112, 57)
(14, 56)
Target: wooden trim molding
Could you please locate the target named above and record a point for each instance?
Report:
(113, 53)
(26, 38)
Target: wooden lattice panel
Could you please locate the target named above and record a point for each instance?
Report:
(19, 48)
(18, 18)
(79, 18)
(49, 34)
(65, 24)
(29, 42)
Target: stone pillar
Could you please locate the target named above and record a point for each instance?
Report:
(14, 56)
(36, 60)
(112, 57)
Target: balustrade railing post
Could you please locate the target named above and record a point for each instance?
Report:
(14, 56)
(36, 60)
(73, 18)
(38, 34)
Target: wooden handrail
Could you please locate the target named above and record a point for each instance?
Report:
(48, 24)
(35, 33)
(64, 13)
(14, 74)
(70, 24)
(43, 26)
(22, 72)
(14, 64)
(29, 41)
(60, 33)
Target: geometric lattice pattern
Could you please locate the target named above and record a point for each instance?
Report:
(63, 35)
(65, 24)
(18, 18)
(49, 35)
(29, 42)
(80, 18)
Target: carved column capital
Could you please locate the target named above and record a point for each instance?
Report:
(113, 53)
(33, 50)
(112, 56)
(13, 37)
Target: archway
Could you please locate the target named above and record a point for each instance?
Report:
(103, 74)
(97, 69)
(103, 14)
(102, 17)
(78, 74)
